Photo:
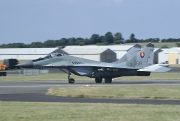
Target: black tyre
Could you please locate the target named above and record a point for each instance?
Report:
(71, 81)
(108, 80)
(98, 80)
(4, 73)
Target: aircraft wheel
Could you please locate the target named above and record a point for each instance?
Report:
(108, 80)
(98, 80)
(3, 73)
(71, 81)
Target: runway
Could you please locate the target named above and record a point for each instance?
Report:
(34, 91)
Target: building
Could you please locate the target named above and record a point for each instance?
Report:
(93, 53)
(174, 55)
(27, 53)
(156, 54)
(120, 50)
(163, 56)
(171, 55)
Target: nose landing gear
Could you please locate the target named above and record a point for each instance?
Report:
(70, 80)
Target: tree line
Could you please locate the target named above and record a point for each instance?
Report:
(108, 39)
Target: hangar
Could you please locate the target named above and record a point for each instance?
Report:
(163, 55)
(92, 53)
(174, 55)
(171, 55)
(27, 53)
(120, 50)
(156, 54)
(99, 53)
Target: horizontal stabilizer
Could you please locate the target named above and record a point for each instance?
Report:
(156, 68)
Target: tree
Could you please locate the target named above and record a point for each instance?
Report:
(95, 39)
(36, 45)
(157, 40)
(128, 41)
(50, 43)
(80, 41)
(15, 45)
(132, 38)
(108, 38)
(71, 41)
(62, 42)
(118, 38)
(164, 46)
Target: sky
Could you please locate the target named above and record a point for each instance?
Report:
(27, 21)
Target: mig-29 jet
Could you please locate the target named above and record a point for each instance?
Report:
(135, 62)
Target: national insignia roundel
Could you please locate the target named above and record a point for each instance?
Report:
(142, 54)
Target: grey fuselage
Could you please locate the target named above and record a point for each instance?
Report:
(86, 67)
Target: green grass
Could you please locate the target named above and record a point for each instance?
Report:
(15, 111)
(62, 76)
(135, 92)
(157, 45)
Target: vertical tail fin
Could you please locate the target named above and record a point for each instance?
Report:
(130, 54)
(143, 58)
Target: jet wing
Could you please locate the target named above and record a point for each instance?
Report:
(156, 68)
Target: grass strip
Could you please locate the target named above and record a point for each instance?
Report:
(157, 45)
(135, 92)
(23, 111)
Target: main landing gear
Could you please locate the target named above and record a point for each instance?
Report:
(98, 80)
(106, 80)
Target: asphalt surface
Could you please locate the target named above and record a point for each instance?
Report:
(34, 91)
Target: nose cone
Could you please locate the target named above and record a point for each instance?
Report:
(28, 64)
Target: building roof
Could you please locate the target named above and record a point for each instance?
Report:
(33, 51)
(157, 49)
(112, 47)
(174, 50)
(164, 50)
(88, 50)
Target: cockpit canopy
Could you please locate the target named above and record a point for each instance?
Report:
(51, 55)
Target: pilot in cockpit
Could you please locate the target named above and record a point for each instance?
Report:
(56, 54)
(52, 55)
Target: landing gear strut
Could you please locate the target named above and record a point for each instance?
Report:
(70, 80)
(108, 80)
(98, 80)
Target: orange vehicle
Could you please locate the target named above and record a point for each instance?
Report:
(2, 69)
(2, 66)
(7, 64)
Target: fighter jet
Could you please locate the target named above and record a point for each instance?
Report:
(135, 62)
